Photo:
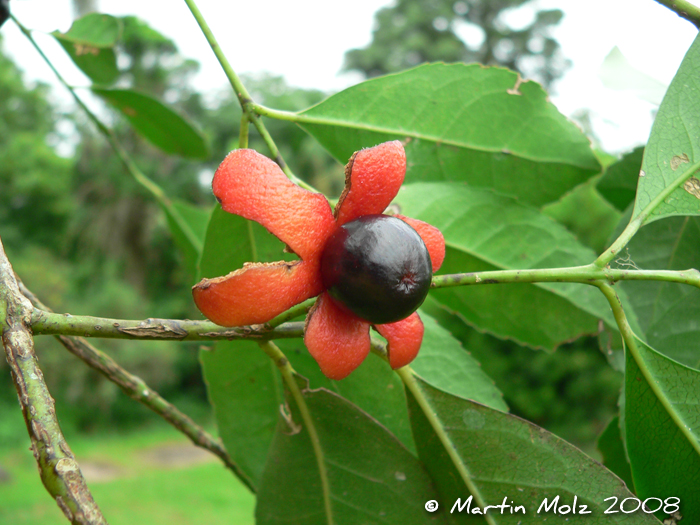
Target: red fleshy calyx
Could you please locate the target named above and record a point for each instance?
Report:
(253, 186)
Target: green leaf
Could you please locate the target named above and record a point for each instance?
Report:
(196, 218)
(445, 364)
(662, 428)
(503, 456)
(90, 42)
(95, 29)
(673, 151)
(668, 313)
(373, 387)
(242, 382)
(372, 478)
(188, 225)
(482, 307)
(486, 231)
(232, 240)
(594, 226)
(613, 451)
(245, 390)
(619, 182)
(469, 123)
(160, 125)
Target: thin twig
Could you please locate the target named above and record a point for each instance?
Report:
(294, 311)
(244, 98)
(137, 389)
(684, 9)
(49, 323)
(590, 274)
(243, 134)
(58, 468)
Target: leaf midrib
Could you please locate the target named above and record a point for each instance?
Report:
(660, 393)
(302, 118)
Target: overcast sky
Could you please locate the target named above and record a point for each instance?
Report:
(305, 41)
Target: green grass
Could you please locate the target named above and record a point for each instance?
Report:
(142, 489)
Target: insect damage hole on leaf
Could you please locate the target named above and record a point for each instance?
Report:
(515, 90)
(692, 186)
(286, 413)
(677, 160)
(84, 49)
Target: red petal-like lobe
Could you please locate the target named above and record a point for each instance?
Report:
(251, 185)
(404, 338)
(373, 177)
(337, 340)
(432, 237)
(257, 292)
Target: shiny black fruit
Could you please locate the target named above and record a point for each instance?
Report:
(377, 267)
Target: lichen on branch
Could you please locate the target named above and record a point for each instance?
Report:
(58, 468)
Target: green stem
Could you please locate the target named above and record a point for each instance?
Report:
(407, 376)
(243, 135)
(684, 9)
(589, 274)
(130, 166)
(289, 116)
(379, 348)
(244, 98)
(294, 311)
(137, 389)
(640, 218)
(251, 240)
(289, 377)
(620, 243)
(632, 347)
(49, 323)
(302, 118)
(59, 471)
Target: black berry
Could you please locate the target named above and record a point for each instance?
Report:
(378, 267)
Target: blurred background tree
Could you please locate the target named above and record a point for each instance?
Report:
(410, 32)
